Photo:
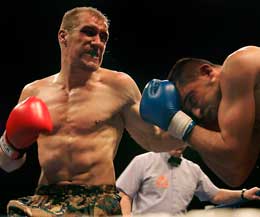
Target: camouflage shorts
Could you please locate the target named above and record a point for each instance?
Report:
(68, 200)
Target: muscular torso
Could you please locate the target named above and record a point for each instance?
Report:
(88, 126)
(255, 145)
(237, 145)
(257, 101)
(248, 150)
(256, 130)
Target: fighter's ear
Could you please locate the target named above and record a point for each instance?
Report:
(206, 69)
(62, 36)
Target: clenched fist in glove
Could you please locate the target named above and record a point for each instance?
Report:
(160, 105)
(26, 121)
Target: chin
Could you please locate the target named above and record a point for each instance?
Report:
(92, 67)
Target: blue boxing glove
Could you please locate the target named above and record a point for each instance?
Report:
(161, 105)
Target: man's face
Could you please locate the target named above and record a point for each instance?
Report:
(87, 42)
(201, 98)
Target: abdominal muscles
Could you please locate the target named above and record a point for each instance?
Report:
(83, 160)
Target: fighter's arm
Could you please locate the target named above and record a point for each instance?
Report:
(6, 163)
(28, 90)
(9, 165)
(126, 204)
(226, 196)
(25, 121)
(130, 182)
(207, 191)
(150, 137)
(230, 148)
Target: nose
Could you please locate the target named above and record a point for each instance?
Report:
(196, 112)
(96, 40)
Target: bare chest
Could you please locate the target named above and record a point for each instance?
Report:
(83, 110)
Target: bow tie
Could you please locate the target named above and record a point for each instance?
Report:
(174, 161)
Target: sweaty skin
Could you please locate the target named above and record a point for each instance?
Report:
(88, 125)
(232, 150)
(90, 107)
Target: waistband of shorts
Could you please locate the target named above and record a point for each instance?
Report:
(74, 189)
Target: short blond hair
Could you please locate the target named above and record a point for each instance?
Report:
(70, 18)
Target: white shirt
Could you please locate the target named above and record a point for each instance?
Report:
(156, 186)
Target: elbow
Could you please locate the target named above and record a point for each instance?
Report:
(239, 170)
(236, 169)
(219, 197)
(235, 177)
(12, 165)
(234, 182)
(216, 200)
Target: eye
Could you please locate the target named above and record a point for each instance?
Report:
(89, 31)
(103, 37)
(192, 101)
(188, 100)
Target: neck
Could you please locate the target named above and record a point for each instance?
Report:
(75, 78)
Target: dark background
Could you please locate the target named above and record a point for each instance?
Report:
(146, 38)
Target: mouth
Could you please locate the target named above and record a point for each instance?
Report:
(93, 53)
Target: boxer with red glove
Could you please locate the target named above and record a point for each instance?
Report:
(26, 121)
(160, 105)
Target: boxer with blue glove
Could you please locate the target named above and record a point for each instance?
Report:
(160, 105)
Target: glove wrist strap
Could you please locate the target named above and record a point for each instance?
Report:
(181, 125)
(8, 149)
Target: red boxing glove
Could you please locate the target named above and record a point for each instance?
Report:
(26, 121)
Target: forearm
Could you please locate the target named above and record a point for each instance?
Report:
(25, 122)
(161, 141)
(126, 204)
(9, 165)
(225, 196)
(151, 137)
(7, 153)
(208, 141)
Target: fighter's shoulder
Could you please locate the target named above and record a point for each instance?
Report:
(242, 63)
(243, 55)
(118, 77)
(33, 87)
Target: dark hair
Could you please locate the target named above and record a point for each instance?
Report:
(186, 70)
(70, 18)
